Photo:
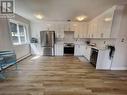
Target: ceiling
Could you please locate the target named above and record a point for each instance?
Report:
(61, 10)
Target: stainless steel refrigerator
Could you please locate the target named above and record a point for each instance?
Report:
(48, 42)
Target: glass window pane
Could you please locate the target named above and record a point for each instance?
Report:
(22, 39)
(15, 39)
(13, 27)
(21, 30)
(18, 33)
(14, 32)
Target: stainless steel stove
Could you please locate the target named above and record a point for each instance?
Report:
(69, 48)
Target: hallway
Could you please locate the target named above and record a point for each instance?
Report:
(61, 76)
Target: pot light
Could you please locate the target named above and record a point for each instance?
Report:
(39, 16)
(107, 19)
(81, 18)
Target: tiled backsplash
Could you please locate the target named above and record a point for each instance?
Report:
(103, 42)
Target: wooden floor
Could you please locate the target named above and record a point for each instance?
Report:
(61, 76)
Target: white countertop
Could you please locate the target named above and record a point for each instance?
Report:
(99, 48)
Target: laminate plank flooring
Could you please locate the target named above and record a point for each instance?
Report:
(66, 75)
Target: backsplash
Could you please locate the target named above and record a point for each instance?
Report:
(103, 42)
(68, 40)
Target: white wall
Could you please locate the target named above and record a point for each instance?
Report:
(5, 42)
(5, 38)
(22, 50)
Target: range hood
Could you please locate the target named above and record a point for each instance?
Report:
(69, 36)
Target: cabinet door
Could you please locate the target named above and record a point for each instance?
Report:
(85, 30)
(107, 29)
(59, 30)
(81, 30)
(103, 61)
(59, 50)
(89, 30)
(74, 26)
(92, 30)
(66, 26)
(88, 52)
(77, 50)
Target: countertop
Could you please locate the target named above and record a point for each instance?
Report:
(98, 48)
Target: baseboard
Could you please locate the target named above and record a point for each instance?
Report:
(20, 59)
(119, 68)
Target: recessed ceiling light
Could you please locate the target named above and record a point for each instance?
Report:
(81, 18)
(38, 16)
(108, 19)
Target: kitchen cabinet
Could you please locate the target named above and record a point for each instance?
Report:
(104, 61)
(67, 26)
(78, 50)
(87, 52)
(59, 49)
(80, 29)
(58, 28)
(101, 26)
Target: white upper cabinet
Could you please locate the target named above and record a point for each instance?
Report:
(66, 26)
(83, 30)
(58, 27)
(101, 26)
(80, 29)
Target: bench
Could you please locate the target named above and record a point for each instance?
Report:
(7, 59)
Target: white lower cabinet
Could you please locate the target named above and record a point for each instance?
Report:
(59, 50)
(104, 61)
(87, 52)
(79, 50)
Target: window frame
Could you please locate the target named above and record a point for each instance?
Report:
(26, 30)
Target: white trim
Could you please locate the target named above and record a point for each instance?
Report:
(23, 57)
(119, 68)
(18, 22)
(26, 30)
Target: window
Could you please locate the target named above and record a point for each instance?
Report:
(19, 33)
